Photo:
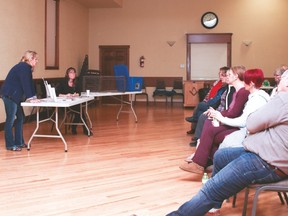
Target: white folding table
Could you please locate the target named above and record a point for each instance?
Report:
(60, 102)
(114, 94)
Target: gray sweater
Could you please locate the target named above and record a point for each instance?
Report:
(268, 132)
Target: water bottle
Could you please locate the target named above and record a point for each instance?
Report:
(205, 178)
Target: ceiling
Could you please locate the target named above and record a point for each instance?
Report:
(101, 3)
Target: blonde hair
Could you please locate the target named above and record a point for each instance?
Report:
(28, 56)
(239, 70)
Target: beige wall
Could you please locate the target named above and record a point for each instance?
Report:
(147, 25)
(22, 25)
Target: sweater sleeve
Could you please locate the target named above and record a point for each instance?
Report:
(267, 116)
(27, 83)
(237, 109)
(254, 102)
(217, 97)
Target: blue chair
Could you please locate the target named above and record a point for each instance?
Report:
(130, 83)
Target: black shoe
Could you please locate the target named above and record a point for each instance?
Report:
(190, 119)
(193, 143)
(24, 145)
(192, 131)
(194, 138)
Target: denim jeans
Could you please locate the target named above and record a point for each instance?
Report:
(199, 109)
(234, 169)
(12, 109)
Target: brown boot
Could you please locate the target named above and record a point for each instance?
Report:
(192, 167)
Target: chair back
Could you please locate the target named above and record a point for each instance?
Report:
(131, 83)
(121, 70)
(160, 85)
(177, 84)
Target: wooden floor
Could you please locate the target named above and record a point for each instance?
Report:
(124, 169)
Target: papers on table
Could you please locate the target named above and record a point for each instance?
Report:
(50, 91)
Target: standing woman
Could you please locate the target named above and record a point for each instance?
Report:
(18, 86)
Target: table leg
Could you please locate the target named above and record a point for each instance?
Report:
(57, 129)
(87, 115)
(84, 123)
(36, 129)
(130, 103)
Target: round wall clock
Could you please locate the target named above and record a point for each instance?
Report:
(209, 20)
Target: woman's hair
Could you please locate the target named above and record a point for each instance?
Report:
(68, 70)
(223, 70)
(239, 70)
(29, 56)
(254, 75)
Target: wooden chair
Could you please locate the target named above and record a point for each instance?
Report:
(280, 187)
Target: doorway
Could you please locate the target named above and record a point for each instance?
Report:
(110, 56)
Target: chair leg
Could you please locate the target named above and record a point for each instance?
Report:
(286, 198)
(255, 200)
(245, 202)
(234, 201)
(281, 198)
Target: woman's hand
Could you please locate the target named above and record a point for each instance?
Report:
(216, 114)
(36, 100)
(75, 95)
(209, 111)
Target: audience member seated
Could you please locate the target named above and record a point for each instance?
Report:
(277, 75)
(70, 88)
(263, 159)
(257, 98)
(211, 100)
(225, 101)
(212, 135)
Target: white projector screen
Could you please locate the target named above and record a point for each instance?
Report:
(206, 59)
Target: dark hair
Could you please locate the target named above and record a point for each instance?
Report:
(223, 70)
(67, 72)
(67, 75)
(254, 75)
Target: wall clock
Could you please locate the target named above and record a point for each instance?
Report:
(209, 20)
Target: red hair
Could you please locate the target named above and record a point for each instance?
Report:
(254, 75)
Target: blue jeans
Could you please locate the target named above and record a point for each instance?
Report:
(234, 169)
(199, 109)
(12, 109)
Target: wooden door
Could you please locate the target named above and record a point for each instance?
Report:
(109, 56)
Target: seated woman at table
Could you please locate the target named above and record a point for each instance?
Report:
(70, 88)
